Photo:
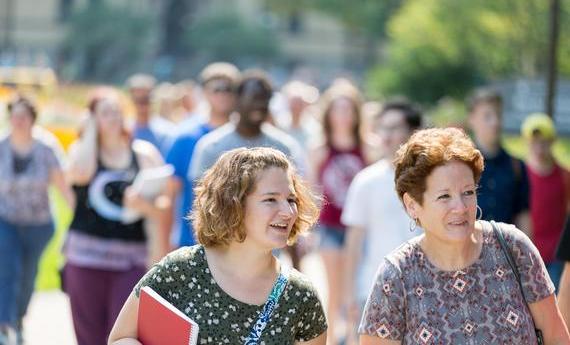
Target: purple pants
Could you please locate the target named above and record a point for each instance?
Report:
(96, 297)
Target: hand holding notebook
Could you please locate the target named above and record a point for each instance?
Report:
(160, 323)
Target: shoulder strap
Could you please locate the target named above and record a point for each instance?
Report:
(270, 304)
(512, 263)
(507, 252)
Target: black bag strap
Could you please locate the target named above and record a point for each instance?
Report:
(507, 252)
(512, 263)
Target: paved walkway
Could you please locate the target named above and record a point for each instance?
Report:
(49, 320)
(49, 316)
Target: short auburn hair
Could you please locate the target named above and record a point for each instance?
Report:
(427, 149)
(219, 204)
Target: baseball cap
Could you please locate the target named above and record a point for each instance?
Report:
(538, 123)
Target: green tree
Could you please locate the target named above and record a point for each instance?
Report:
(224, 35)
(106, 42)
(445, 47)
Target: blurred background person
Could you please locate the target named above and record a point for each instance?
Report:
(563, 255)
(188, 98)
(105, 255)
(334, 163)
(219, 83)
(250, 128)
(146, 126)
(375, 219)
(167, 98)
(503, 190)
(299, 122)
(549, 190)
(28, 166)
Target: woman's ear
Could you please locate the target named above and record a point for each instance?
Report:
(411, 205)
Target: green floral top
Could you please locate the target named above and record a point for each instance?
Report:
(184, 279)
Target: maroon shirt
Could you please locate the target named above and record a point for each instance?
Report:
(335, 176)
(548, 205)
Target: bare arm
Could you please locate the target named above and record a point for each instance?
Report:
(57, 179)
(173, 189)
(155, 211)
(564, 293)
(320, 340)
(354, 239)
(148, 157)
(317, 156)
(372, 340)
(124, 330)
(548, 319)
(83, 156)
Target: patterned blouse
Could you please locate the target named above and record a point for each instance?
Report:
(417, 303)
(184, 279)
(24, 182)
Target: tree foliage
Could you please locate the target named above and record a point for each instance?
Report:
(224, 35)
(445, 47)
(106, 42)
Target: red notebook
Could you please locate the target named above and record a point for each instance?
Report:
(160, 323)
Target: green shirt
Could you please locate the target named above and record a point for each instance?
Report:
(184, 279)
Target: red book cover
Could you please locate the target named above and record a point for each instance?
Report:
(160, 323)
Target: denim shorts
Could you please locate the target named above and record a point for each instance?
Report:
(331, 237)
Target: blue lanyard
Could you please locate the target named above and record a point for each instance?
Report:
(270, 304)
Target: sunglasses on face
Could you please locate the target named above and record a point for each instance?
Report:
(220, 87)
(141, 100)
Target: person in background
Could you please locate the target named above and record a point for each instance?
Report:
(549, 190)
(504, 189)
(334, 163)
(300, 124)
(106, 254)
(28, 166)
(453, 284)
(167, 97)
(248, 204)
(219, 82)
(188, 98)
(249, 130)
(563, 255)
(145, 126)
(375, 219)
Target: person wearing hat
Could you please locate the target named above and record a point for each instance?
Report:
(549, 190)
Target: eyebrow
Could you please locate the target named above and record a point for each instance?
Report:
(277, 193)
(447, 189)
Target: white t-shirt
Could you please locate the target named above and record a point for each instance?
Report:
(373, 204)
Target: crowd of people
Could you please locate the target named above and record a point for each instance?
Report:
(426, 236)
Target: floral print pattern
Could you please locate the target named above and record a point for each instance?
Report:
(184, 279)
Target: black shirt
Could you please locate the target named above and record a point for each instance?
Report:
(99, 205)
